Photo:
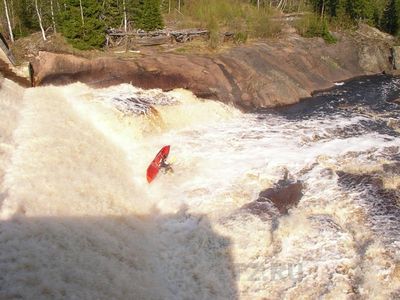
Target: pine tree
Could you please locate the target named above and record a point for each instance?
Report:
(113, 13)
(146, 14)
(356, 9)
(325, 7)
(135, 12)
(87, 33)
(390, 20)
(151, 16)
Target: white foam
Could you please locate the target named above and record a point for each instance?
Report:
(80, 220)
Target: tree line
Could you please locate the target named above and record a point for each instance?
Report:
(383, 14)
(84, 22)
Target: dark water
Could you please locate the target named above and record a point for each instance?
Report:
(373, 102)
(373, 97)
(376, 93)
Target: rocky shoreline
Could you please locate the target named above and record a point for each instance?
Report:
(257, 75)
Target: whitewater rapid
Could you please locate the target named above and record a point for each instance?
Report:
(79, 221)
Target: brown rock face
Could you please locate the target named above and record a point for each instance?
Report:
(167, 72)
(396, 57)
(263, 74)
(6, 72)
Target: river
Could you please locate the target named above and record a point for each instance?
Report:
(78, 219)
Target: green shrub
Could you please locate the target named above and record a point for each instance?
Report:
(219, 16)
(146, 15)
(240, 37)
(261, 25)
(214, 33)
(313, 26)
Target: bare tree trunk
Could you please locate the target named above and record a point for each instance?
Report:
(40, 20)
(52, 16)
(179, 5)
(322, 9)
(80, 5)
(258, 4)
(8, 21)
(125, 17)
(12, 15)
(169, 6)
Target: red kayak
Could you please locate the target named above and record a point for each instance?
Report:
(154, 167)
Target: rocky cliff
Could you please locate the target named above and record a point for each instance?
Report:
(259, 74)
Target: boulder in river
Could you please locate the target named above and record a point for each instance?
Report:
(284, 195)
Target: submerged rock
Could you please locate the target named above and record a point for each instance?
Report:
(265, 210)
(284, 195)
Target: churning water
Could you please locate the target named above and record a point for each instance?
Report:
(79, 221)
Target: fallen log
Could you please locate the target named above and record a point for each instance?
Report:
(152, 41)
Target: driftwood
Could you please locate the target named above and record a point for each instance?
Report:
(116, 37)
(289, 17)
(152, 41)
(158, 37)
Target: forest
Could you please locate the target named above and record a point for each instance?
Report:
(84, 23)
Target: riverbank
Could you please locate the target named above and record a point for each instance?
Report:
(259, 74)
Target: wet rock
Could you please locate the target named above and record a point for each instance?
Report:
(284, 195)
(7, 72)
(265, 210)
(263, 74)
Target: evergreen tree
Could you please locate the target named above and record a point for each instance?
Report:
(390, 20)
(151, 15)
(135, 12)
(352, 8)
(325, 7)
(356, 9)
(113, 13)
(26, 18)
(146, 14)
(87, 33)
